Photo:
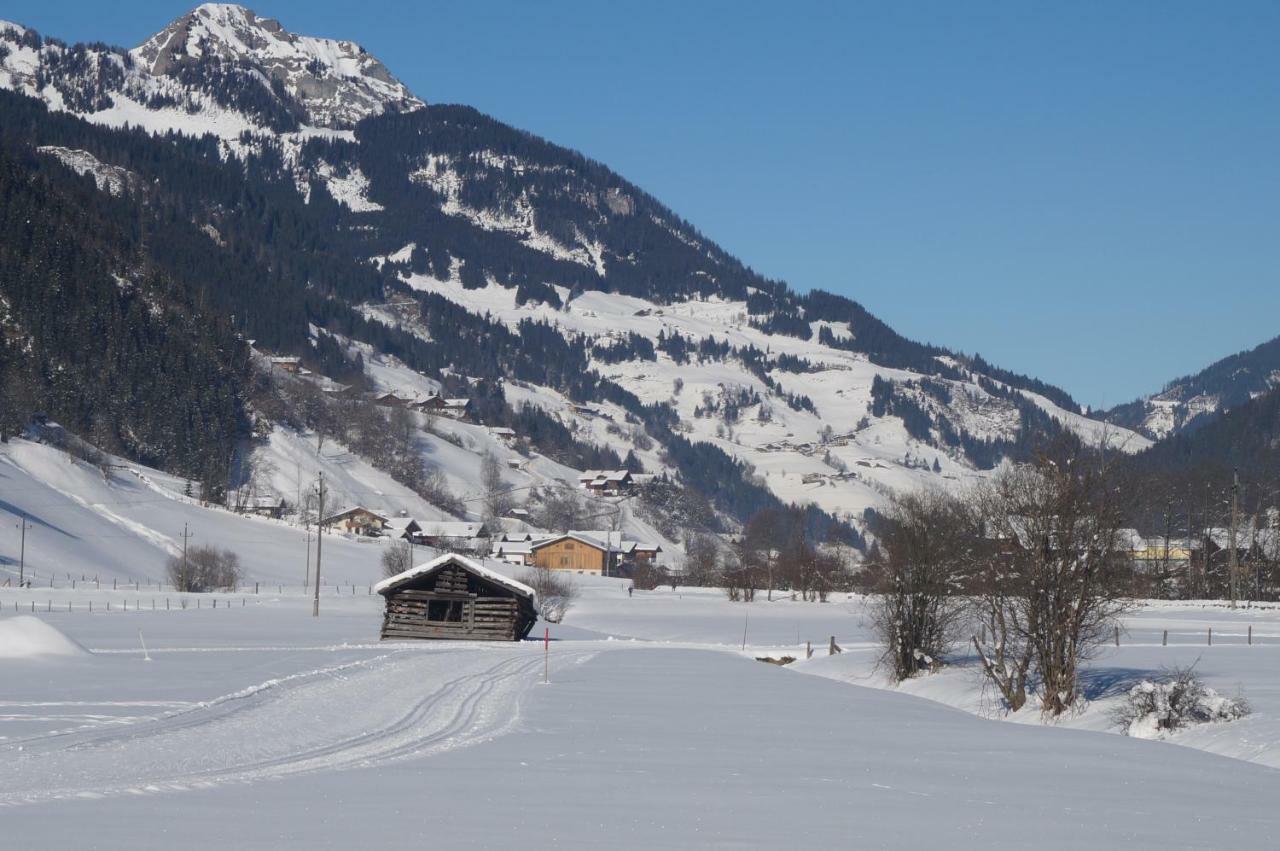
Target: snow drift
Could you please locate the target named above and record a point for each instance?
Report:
(25, 637)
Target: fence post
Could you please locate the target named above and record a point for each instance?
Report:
(808, 650)
(1164, 639)
(1117, 635)
(1251, 634)
(1210, 636)
(255, 588)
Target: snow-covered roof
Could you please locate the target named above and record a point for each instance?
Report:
(513, 548)
(353, 509)
(452, 528)
(427, 568)
(604, 475)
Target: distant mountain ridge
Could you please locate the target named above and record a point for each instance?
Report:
(1192, 401)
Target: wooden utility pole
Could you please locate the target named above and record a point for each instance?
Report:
(306, 581)
(185, 536)
(1234, 580)
(22, 552)
(315, 600)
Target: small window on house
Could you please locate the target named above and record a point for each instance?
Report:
(564, 561)
(568, 545)
(445, 611)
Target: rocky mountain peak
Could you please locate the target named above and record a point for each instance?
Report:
(337, 83)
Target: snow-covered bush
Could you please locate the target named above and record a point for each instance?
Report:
(556, 592)
(1153, 709)
(204, 569)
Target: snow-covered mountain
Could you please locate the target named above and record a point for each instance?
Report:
(1192, 401)
(219, 69)
(444, 248)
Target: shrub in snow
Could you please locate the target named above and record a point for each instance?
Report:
(1153, 709)
(204, 569)
(556, 592)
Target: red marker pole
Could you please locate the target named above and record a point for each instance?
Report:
(546, 654)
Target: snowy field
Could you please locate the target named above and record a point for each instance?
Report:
(254, 725)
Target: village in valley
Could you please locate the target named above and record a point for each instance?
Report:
(376, 474)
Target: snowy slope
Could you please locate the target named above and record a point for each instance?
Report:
(711, 749)
(126, 525)
(865, 460)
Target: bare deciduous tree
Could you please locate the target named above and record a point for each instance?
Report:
(1052, 590)
(556, 592)
(397, 558)
(702, 560)
(497, 495)
(918, 612)
(561, 510)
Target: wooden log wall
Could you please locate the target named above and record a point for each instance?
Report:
(484, 618)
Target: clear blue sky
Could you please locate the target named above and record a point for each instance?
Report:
(1087, 192)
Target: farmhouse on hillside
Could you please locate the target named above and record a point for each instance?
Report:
(266, 506)
(463, 535)
(391, 400)
(357, 520)
(287, 364)
(404, 528)
(458, 408)
(607, 482)
(454, 597)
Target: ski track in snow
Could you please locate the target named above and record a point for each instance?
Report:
(343, 716)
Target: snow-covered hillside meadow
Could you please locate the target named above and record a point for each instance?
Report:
(837, 456)
(120, 525)
(658, 729)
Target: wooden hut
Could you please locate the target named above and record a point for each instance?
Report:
(454, 597)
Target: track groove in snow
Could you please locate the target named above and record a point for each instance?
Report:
(327, 719)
